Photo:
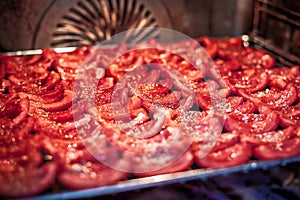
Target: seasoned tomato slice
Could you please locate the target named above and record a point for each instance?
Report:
(209, 45)
(276, 136)
(290, 116)
(87, 174)
(273, 98)
(251, 123)
(27, 181)
(284, 149)
(251, 80)
(232, 155)
(184, 162)
(253, 58)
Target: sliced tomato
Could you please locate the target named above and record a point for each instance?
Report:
(55, 129)
(209, 45)
(152, 90)
(208, 94)
(29, 68)
(104, 91)
(273, 98)
(127, 142)
(296, 83)
(184, 162)
(228, 49)
(251, 80)
(56, 106)
(236, 154)
(232, 103)
(290, 116)
(223, 68)
(15, 110)
(268, 137)
(169, 100)
(278, 150)
(225, 140)
(23, 182)
(279, 77)
(246, 107)
(253, 58)
(13, 134)
(251, 123)
(84, 175)
(135, 103)
(115, 111)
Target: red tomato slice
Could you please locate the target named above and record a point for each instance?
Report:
(228, 49)
(268, 137)
(15, 111)
(55, 129)
(169, 100)
(104, 91)
(278, 150)
(273, 98)
(253, 58)
(246, 108)
(37, 87)
(126, 142)
(84, 175)
(279, 77)
(236, 154)
(183, 163)
(232, 103)
(56, 106)
(223, 68)
(296, 83)
(110, 112)
(152, 90)
(251, 80)
(251, 123)
(209, 45)
(225, 140)
(27, 181)
(290, 116)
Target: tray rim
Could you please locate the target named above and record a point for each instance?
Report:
(164, 179)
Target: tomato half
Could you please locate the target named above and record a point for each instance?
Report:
(183, 163)
(284, 149)
(251, 80)
(251, 123)
(290, 116)
(236, 154)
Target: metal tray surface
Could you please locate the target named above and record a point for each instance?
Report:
(136, 184)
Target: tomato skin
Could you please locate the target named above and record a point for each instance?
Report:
(268, 137)
(27, 181)
(251, 123)
(272, 151)
(290, 116)
(272, 98)
(236, 154)
(209, 45)
(184, 162)
(84, 175)
(251, 80)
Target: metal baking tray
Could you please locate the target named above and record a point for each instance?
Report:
(136, 184)
(160, 180)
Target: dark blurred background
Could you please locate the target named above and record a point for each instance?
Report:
(29, 24)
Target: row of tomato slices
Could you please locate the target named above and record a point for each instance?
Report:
(40, 147)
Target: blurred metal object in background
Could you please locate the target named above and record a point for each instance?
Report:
(31, 24)
(278, 23)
